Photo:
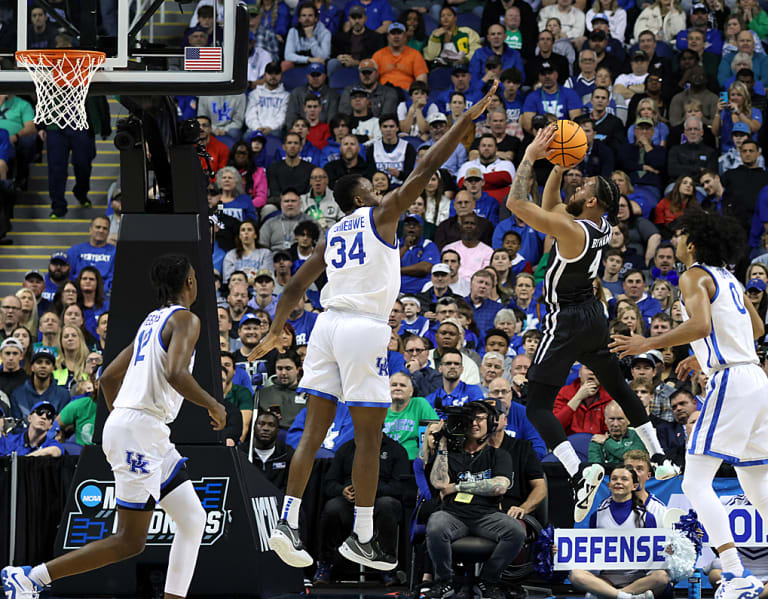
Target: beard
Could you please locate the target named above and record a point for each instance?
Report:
(575, 207)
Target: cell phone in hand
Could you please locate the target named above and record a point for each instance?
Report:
(724, 97)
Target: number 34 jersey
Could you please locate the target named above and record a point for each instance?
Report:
(145, 385)
(363, 269)
(569, 281)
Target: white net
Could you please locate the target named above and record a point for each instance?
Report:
(61, 81)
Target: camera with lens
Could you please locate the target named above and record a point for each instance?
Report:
(458, 421)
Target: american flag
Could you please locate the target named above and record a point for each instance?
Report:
(202, 59)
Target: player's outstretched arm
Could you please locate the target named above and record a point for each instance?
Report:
(293, 291)
(550, 199)
(557, 223)
(394, 203)
(112, 377)
(696, 287)
(184, 329)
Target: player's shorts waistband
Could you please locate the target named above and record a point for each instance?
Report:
(375, 317)
(719, 367)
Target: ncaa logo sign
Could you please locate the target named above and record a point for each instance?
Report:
(90, 496)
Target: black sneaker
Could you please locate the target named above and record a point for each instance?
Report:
(438, 590)
(585, 485)
(487, 590)
(367, 554)
(286, 542)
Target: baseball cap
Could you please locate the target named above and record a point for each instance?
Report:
(473, 173)
(415, 217)
(758, 284)
(44, 404)
(368, 65)
(639, 55)
(257, 135)
(460, 68)
(281, 255)
(644, 121)
(357, 10)
(273, 68)
(652, 356)
(441, 267)
(699, 6)
(41, 354)
(248, 317)
(741, 128)
(12, 342)
(597, 34)
(396, 27)
(437, 117)
(33, 273)
(358, 90)
(260, 274)
(60, 256)
(601, 16)
(546, 66)
(410, 299)
(316, 68)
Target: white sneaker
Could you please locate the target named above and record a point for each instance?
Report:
(663, 468)
(18, 585)
(646, 595)
(585, 485)
(746, 586)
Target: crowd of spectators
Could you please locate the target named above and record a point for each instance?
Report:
(672, 99)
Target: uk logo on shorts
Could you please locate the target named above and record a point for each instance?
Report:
(382, 364)
(137, 462)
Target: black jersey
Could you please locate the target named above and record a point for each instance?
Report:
(570, 281)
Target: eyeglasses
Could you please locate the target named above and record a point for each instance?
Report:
(44, 413)
(415, 350)
(318, 177)
(498, 392)
(480, 418)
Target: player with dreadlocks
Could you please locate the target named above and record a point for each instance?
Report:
(575, 327)
(721, 325)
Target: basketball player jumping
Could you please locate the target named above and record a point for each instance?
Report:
(575, 327)
(347, 354)
(721, 326)
(155, 371)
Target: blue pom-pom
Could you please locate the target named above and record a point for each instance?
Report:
(690, 526)
(543, 561)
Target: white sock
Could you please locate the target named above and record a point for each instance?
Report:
(291, 506)
(39, 574)
(648, 434)
(568, 458)
(732, 562)
(363, 523)
(623, 595)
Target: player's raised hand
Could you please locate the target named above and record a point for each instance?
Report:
(267, 344)
(539, 147)
(628, 346)
(687, 367)
(480, 107)
(218, 416)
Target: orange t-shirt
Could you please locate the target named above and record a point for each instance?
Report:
(402, 69)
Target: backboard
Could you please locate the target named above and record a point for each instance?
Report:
(144, 40)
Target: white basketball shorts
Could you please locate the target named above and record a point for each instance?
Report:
(143, 459)
(733, 424)
(347, 360)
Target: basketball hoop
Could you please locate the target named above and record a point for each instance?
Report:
(61, 78)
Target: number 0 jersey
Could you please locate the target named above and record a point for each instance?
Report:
(731, 341)
(145, 385)
(569, 281)
(363, 269)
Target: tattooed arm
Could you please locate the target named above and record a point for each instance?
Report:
(570, 236)
(497, 485)
(440, 476)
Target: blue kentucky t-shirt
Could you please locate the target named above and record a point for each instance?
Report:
(559, 103)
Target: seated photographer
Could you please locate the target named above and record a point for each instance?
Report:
(472, 476)
(528, 489)
(33, 440)
(338, 513)
(623, 509)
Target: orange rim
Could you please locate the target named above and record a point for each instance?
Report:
(55, 55)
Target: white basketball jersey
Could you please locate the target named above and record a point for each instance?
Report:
(145, 386)
(363, 269)
(731, 340)
(385, 160)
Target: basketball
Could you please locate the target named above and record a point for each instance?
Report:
(569, 145)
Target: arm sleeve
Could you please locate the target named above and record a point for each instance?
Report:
(238, 115)
(476, 66)
(67, 415)
(595, 453)
(290, 48)
(533, 436)
(561, 410)
(252, 112)
(259, 188)
(283, 19)
(228, 266)
(433, 48)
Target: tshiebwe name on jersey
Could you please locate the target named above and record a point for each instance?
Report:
(350, 224)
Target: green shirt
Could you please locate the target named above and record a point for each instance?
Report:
(403, 426)
(14, 112)
(612, 451)
(514, 39)
(240, 397)
(81, 413)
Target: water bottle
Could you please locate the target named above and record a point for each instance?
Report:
(694, 585)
